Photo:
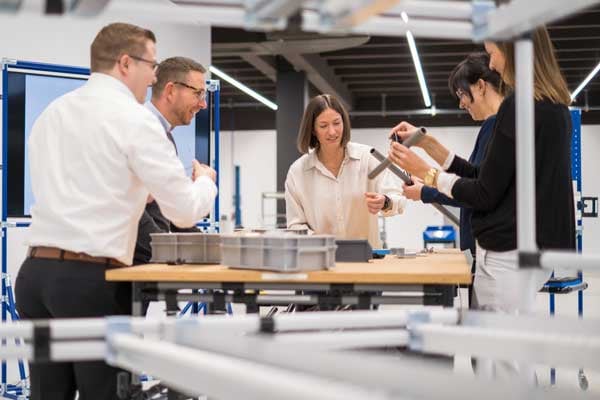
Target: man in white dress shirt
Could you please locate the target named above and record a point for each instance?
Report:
(177, 95)
(96, 154)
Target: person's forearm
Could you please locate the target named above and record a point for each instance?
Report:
(435, 149)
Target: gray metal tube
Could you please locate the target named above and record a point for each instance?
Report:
(406, 179)
(397, 171)
(413, 139)
(525, 145)
(569, 260)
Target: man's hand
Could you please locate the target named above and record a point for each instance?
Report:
(199, 170)
(374, 201)
(413, 192)
(406, 159)
(150, 199)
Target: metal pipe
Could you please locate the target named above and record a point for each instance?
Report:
(552, 259)
(406, 179)
(507, 344)
(345, 340)
(435, 9)
(402, 375)
(392, 167)
(198, 372)
(525, 146)
(414, 138)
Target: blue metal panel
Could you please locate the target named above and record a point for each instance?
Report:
(8, 306)
(34, 66)
(576, 176)
(217, 125)
(576, 171)
(4, 197)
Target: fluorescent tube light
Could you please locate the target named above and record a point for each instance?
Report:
(242, 87)
(585, 82)
(417, 61)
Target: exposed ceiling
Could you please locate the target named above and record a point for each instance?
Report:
(375, 76)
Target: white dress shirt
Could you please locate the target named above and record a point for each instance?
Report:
(325, 204)
(95, 155)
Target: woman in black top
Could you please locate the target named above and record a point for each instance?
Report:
(478, 91)
(490, 189)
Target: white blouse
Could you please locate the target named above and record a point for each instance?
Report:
(324, 204)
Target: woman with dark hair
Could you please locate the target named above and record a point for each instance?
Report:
(327, 189)
(490, 188)
(477, 89)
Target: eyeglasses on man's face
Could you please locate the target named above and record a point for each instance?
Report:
(152, 63)
(199, 93)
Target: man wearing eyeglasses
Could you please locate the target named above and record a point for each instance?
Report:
(177, 95)
(95, 155)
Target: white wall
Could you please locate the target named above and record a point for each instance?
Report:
(590, 186)
(256, 154)
(249, 149)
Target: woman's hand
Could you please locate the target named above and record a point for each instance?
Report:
(403, 130)
(406, 159)
(374, 201)
(413, 192)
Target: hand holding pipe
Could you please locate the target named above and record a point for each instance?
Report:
(413, 139)
(406, 179)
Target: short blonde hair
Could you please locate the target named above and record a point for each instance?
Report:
(117, 39)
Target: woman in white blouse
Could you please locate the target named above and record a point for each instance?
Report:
(327, 189)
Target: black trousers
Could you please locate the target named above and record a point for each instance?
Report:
(48, 289)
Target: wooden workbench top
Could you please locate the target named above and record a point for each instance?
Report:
(442, 267)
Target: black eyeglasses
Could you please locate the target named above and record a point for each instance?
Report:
(153, 64)
(200, 93)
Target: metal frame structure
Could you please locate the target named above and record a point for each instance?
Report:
(9, 307)
(216, 295)
(297, 356)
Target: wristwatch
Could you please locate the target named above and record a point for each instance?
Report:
(431, 177)
(387, 203)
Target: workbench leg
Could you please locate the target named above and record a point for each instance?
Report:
(439, 295)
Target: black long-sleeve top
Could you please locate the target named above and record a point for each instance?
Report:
(490, 189)
(431, 195)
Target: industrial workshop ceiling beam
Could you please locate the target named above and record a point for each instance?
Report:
(321, 76)
(521, 16)
(261, 64)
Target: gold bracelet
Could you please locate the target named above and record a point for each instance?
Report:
(430, 178)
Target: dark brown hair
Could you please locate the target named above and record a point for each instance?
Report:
(117, 39)
(469, 71)
(174, 69)
(548, 81)
(306, 137)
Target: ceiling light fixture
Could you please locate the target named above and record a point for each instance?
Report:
(242, 87)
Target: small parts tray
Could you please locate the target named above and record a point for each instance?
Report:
(281, 253)
(186, 248)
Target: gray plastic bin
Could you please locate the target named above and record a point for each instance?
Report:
(186, 248)
(279, 252)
